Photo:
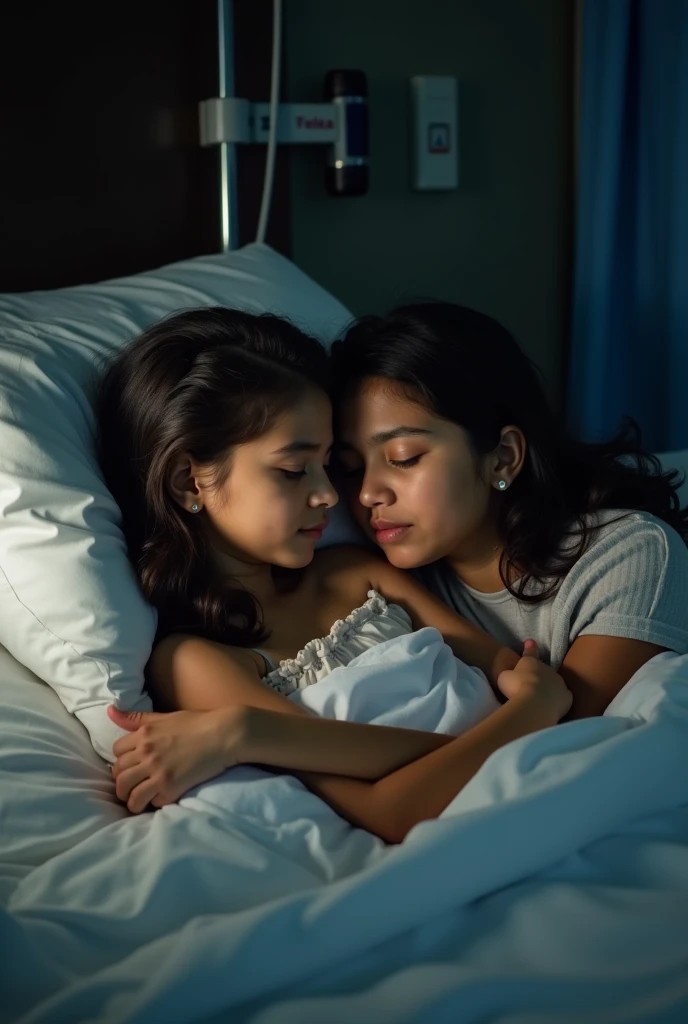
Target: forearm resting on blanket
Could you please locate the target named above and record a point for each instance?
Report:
(196, 675)
(420, 790)
(353, 749)
(417, 773)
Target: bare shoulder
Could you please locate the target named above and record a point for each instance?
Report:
(345, 574)
(181, 655)
(348, 561)
(363, 569)
(343, 557)
(199, 675)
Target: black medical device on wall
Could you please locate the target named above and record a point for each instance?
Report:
(347, 161)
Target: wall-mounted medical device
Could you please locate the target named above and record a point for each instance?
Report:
(341, 123)
(435, 132)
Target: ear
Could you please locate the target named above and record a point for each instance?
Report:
(183, 485)
(508, 457)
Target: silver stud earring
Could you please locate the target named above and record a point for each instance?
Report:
(194, 507)
(502, 485)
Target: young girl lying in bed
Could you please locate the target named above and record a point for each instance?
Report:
(216, 434)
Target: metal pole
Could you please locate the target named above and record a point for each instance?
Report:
(228, 177)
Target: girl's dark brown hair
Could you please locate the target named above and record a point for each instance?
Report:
(200, 382)
(467, 368)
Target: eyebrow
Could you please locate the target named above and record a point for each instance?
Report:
(299, 446)
(389, 435)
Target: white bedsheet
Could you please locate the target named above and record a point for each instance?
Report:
(553, 889)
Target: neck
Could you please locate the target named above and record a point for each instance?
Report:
(476, 562)
(256, 577)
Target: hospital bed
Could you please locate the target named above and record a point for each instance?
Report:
(554, 888)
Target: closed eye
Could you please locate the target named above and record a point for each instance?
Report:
(405, 463)
(293, 474)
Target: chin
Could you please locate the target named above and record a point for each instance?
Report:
(293, 559)
(404, 558)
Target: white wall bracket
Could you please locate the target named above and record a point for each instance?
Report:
(233, 120)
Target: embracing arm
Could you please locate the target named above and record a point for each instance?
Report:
(167, 754)
(198, 675)
(632, 578)
(468, 642)
(596, 668)
(421, 790)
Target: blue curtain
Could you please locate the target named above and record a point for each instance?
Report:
(629, 348)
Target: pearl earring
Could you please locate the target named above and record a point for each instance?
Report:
(502, 485)
(194, 507)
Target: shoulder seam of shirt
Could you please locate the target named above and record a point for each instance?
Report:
(628, 525)
(665, 562)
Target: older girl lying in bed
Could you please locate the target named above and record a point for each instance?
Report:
(215, 438)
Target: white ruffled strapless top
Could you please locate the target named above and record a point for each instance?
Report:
(366, 627)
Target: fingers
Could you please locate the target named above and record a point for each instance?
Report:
(124, 744)
(140, 726)
(141, 796)
(127, 760)
(136, 789)
(530, 649)
(128, 779)
(131, 720)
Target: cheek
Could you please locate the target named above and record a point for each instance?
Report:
(445, 496)
(468, 496)
(261, 509)
(430, 493)
(276, 515)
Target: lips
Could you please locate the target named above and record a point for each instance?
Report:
(314, 532)
(318, 526)
(387, 532)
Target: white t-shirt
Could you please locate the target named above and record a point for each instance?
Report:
(632, 581)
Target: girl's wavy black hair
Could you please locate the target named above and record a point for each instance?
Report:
(200, 382)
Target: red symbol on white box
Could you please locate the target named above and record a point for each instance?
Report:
(438, 138)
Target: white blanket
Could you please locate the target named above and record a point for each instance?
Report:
(554, 888)
(413, 682)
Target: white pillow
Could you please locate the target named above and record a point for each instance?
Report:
(70, 607)
(54, 790)
(677, 460)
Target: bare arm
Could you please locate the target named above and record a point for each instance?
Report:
(197, 675)
(422, 789)
(168, 754)
(596, 668)
(391, 807)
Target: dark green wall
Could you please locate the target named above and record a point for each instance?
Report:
(501, 241)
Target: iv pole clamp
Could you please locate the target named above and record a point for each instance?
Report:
(341, 123)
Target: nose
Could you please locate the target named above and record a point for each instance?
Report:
(324, 495)
(374, 492)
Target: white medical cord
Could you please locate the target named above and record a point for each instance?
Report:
(274, 112)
